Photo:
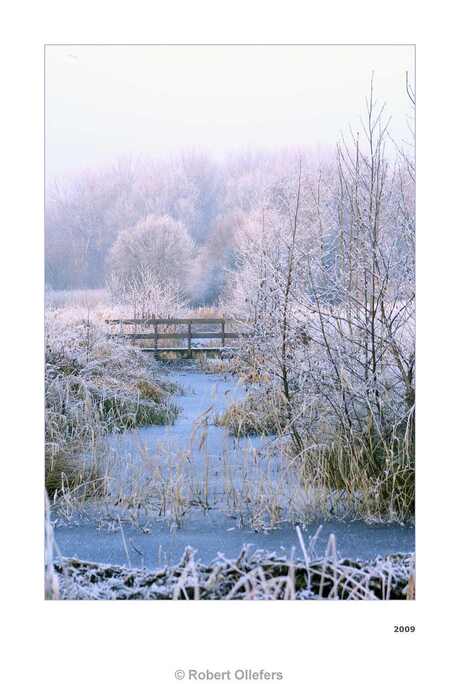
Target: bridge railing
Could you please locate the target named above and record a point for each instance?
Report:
(189, 334)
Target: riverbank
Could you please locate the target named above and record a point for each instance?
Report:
(262, 576)
(93, 387)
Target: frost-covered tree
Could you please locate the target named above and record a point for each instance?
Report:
(157, 244)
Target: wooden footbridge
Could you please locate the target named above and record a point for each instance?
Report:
(158, 330)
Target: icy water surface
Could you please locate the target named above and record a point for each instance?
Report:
(214, 465)
(212, 534)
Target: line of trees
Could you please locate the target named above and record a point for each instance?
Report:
(191, 202)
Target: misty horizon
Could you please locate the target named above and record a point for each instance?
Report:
(111, 103)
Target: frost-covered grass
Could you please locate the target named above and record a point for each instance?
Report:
(93, 385)
(261, 413)
(259, 576)
(364, 474)
(373, 480)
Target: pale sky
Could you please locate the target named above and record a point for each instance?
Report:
(108, 102)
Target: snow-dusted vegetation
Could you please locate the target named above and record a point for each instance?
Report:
(93, 386)
(325, 286)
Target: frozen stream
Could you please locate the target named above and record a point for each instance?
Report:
(220, 476)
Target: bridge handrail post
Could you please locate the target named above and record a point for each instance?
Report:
(223, 332)
(189, 339)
